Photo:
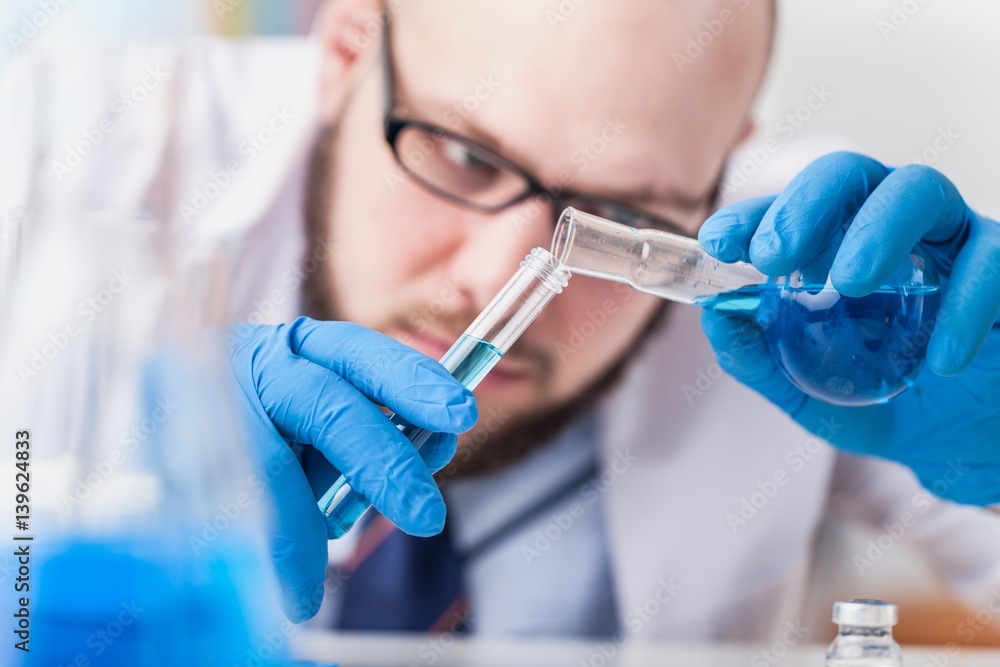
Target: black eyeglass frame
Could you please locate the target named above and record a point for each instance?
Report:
(394, 125)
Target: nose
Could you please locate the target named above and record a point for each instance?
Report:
(496, 244)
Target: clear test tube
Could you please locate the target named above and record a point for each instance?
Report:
(472, 356)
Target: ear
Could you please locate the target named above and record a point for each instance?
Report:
(349, 33)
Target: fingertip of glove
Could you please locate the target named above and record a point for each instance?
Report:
(850, 287)
(765, 252)
(721, 248)
(852, 278)
(299, 608)
(945, 356)
(427, 521)
(715, 237)
(439, 451)
(720, 328)
(464, 413)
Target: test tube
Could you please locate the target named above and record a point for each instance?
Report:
(667, 265)
(472, 356)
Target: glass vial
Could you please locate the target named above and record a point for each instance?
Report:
(865, 635)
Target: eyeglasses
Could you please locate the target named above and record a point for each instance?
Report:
(461, 171)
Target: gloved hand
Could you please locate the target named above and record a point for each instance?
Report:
(946, 427)
(315, 383)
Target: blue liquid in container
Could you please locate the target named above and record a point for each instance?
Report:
(845, 351)
(151, 603)
(468, 360)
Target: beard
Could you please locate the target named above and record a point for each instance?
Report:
(517, 436)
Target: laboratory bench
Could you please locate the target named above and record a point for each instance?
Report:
(382, 650)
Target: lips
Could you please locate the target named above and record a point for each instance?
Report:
(431, 345)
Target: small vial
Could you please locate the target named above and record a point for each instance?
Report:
(865, 636)
(475, 353)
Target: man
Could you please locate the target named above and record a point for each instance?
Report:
(574, 509)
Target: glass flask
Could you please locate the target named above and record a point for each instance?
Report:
(845, 351)
(145, 525)
(864, 638)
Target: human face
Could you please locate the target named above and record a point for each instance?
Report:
(419, 267)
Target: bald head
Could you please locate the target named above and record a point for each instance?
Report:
(679, 76)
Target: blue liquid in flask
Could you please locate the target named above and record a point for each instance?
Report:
(845, 351)
(148, 602)
(468, 360)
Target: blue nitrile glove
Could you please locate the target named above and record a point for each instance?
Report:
(315, 383)
(946, 427)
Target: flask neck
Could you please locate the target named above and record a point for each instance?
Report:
(667, 265)
(591, 246)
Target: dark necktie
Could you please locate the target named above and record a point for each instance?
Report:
(399, 583)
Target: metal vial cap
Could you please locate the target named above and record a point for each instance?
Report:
(865, 613)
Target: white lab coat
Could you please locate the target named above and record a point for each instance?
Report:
(708, 449)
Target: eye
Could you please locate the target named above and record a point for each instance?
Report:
(460, 155)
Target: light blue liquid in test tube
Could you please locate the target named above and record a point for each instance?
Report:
(469, 360)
